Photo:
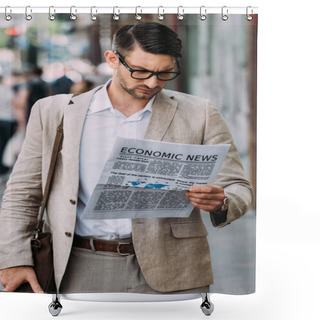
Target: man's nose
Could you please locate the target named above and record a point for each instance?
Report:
(152, 82)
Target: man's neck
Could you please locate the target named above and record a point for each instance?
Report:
(124, 102)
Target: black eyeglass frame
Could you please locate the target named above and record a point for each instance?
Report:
(152, 73)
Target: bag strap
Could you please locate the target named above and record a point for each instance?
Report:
(55, 150)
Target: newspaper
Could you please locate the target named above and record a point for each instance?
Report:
(146, 178)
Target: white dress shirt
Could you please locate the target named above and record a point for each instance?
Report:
(103, 124)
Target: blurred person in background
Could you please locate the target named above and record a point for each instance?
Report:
(8, 122)
(82, 86)
(26, 92)
(37, 88)
(17, 81)
(59, 82)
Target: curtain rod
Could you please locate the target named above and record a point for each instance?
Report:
(182, 10)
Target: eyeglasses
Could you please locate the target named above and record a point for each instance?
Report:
(146, 74)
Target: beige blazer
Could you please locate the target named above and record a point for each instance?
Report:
(173, 253)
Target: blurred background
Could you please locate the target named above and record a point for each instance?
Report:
(42, 57)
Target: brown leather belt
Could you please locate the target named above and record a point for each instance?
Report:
(122, 248)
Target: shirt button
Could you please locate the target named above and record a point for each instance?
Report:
(72, 201)
(68, 234)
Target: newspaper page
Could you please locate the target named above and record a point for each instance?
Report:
(146, 178)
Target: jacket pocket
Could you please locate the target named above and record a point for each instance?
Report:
(191, 229)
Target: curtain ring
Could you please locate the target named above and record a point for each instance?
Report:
(224, 13)
(52, 10)
(73, 11)
(248, 16)
(203, 13)
(160, 15)
(138, 16)
(180, 13)
(28, 12)
(116, 15)
(7, 15)
(93, 15)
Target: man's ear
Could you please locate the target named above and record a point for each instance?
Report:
(112, 59)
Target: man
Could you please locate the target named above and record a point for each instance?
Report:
(168, 255)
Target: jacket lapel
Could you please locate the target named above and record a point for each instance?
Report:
(74, 118)
(163, 110)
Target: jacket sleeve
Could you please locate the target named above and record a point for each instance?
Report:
(231, 176)
(22, 198)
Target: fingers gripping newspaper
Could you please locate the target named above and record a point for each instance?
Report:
(146, 178)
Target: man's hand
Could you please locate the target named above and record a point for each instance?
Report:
(13, 278)
(207, 198)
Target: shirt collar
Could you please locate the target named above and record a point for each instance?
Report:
(101, 101)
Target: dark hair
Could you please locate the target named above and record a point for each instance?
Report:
(152, 37)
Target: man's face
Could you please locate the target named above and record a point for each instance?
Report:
(139, 59)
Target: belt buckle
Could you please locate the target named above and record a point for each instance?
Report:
(118, 248)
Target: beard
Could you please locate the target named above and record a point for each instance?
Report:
(140, 91)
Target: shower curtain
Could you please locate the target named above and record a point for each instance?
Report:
(43, 55)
